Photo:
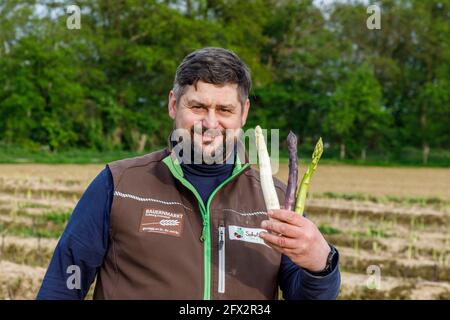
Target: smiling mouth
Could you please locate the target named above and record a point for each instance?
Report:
(208, 138)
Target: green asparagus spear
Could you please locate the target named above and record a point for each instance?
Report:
(304, 185)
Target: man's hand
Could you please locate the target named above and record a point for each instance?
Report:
(296, 237)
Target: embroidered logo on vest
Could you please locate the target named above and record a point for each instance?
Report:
(159, 221)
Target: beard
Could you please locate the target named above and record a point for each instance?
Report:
(201, 145)
(211, 145)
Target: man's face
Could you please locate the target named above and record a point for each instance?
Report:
(212, 108)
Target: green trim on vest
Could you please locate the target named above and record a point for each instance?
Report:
(176, 170)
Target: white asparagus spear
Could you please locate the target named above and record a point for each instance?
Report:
(265, 172)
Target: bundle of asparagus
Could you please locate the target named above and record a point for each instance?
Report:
(294, 193)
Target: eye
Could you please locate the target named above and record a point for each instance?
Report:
(198, 108)
(226, 110)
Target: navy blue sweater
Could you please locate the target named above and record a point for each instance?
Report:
(84, 243)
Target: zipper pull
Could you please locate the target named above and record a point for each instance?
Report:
(221, 237)
(203, 236)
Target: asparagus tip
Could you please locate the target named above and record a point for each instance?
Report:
(318, 149)
(292, 138)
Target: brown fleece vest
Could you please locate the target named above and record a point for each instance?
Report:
(155, 251)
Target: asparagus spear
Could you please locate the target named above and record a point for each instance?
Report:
(291, 189)
(304, 185)
(265, 172)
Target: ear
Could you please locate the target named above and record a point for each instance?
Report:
(245, 112)
(172, 105)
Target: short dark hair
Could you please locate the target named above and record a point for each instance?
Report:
(217, 66)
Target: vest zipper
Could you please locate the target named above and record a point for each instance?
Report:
(177, 172)
(221, 286)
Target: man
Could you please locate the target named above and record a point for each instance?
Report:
(161, 227)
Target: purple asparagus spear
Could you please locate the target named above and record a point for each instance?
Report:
(291, 190)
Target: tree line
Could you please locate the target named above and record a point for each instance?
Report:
(317, 70)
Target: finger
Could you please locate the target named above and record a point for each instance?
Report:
(286, 252)
(287, 216)
(270, 244)
(279, 227)
(280, 241)
(275, 247)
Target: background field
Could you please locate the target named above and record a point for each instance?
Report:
(395, 218)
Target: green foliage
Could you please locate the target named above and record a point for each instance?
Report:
(356, 114)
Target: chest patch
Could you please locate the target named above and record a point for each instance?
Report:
(159, 221)
(245, 234)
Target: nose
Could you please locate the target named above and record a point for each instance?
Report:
(210, 120)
